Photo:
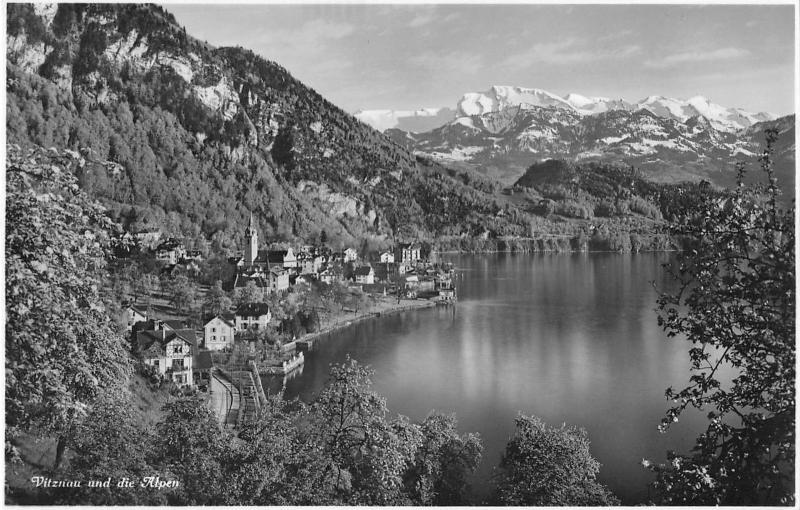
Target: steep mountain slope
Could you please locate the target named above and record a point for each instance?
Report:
(202, 136)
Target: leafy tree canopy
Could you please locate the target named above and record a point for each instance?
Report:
(62, 350)
(547, 466)
(736, 304)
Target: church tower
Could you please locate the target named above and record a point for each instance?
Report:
(251, 240)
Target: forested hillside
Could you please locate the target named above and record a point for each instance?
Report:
(203, 136)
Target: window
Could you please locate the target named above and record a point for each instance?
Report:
(255, 325)
(155, 363)
(213, 330)
(222, 338)
(213, 338)
(177, 365)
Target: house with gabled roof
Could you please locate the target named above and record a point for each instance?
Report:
(219, 332)
(283, 258)
(252, 315)
(364, 275)
(134, 314)
(169, 353)
(349, 255)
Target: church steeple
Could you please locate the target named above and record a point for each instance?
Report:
(251, 240)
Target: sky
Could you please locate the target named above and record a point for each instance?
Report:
(400, 57)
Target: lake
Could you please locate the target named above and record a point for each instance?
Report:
(567, 337)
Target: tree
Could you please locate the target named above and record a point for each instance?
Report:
(443, 461)
(217, 300)
(146, 285)
(544, 466)
(190, 443)
(62, 349)
(182, 293)
(362, 458)
(735, 303)
(261, 468)
(250, 293)
(112, 443)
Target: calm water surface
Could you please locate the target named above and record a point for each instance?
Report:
(569, 338)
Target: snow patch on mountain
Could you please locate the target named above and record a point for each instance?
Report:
(500, 97)
(503, 99)
(414, 121)
(465, 121)
(456, 154)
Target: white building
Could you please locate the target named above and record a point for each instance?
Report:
(170, 252)
(387, 257)
(134, 315)
(255, 315)
(365, 275)
(218, 333)
(169, 352)
(350, 255)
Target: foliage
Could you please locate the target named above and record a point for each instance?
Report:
(546, 466)
(442, 462)
(189, 444)
(62, 350)
(736, 304)
(111, 443)
(217, 300)
(182, 293)
(364, 456)
(250, 293)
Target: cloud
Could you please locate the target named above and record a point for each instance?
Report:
(617, 35)
(568, 51)
(422, 18)
(688, 57)
(312, 34)
(461, 62)
(300, 49)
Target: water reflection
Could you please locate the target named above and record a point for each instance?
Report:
(570, 338)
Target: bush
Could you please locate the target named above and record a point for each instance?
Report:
(605, 209)
(546, 466)
(645, 208)
(573, 209)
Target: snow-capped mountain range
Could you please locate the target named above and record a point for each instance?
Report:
(499, 98)
(667, 147)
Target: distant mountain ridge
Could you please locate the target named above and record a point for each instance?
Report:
(501, 97)
(501, 144)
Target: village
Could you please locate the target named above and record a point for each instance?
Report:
(284, 301)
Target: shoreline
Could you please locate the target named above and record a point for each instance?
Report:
(482, 252)
(404, 305)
